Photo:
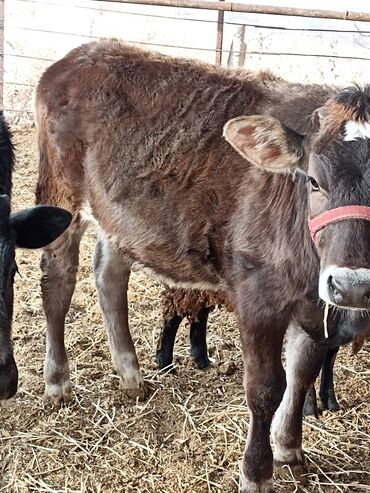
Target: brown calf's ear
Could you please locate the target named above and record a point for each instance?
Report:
(265, 142)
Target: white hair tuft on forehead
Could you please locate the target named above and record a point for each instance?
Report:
(356, 130)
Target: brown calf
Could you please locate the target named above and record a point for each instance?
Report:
(137, 137)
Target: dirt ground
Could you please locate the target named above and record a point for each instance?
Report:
(188, 436)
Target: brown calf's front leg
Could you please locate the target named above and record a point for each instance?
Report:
(304, 358)
(59, 266)
(111, 278)
(265, 385)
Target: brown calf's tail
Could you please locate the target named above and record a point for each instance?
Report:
(60, 178)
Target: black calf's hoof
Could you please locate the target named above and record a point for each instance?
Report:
(164, 363)
(8, 378)
(333, 405)
(201, 362)
(310, 409)
(330, 404)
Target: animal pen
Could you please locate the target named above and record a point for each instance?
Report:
(188, 436)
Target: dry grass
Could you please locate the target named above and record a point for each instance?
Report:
(187, 438)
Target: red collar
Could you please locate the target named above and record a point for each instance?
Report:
(335, 215)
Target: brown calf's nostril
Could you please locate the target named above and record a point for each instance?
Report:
(367, 298)
(334, 288)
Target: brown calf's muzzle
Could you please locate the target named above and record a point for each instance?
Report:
(343, 286)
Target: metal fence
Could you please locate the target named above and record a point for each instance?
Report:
(37, 32)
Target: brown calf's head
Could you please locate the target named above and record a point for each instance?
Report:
(335, 156)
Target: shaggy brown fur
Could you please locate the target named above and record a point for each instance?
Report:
(189, 302)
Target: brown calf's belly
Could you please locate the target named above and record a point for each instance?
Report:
(188, 282)
(163, 261)
(155, 240)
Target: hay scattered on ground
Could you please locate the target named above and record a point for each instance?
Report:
(187, 437)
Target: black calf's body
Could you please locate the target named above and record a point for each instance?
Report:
(8, 368)
(31, 228)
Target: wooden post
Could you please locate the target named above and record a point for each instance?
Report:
(220, 36)
(238, 48)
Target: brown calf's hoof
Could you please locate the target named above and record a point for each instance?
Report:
(140, 393)
(297, 473)
(57, 394)
(8, 378)
(252, 487)
(284, 456)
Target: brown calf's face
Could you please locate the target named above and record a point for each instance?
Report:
(336, 159)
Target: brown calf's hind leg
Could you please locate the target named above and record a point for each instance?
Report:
(111, 278)
(304, 358)
(265, 384)
(59, 264)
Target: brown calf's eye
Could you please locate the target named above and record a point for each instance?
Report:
(314, 184)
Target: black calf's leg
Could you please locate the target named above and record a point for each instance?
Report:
(198, 339)
(164, 353)
(327, 391)
(310, 403)
(8, 367)
(8, 372)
